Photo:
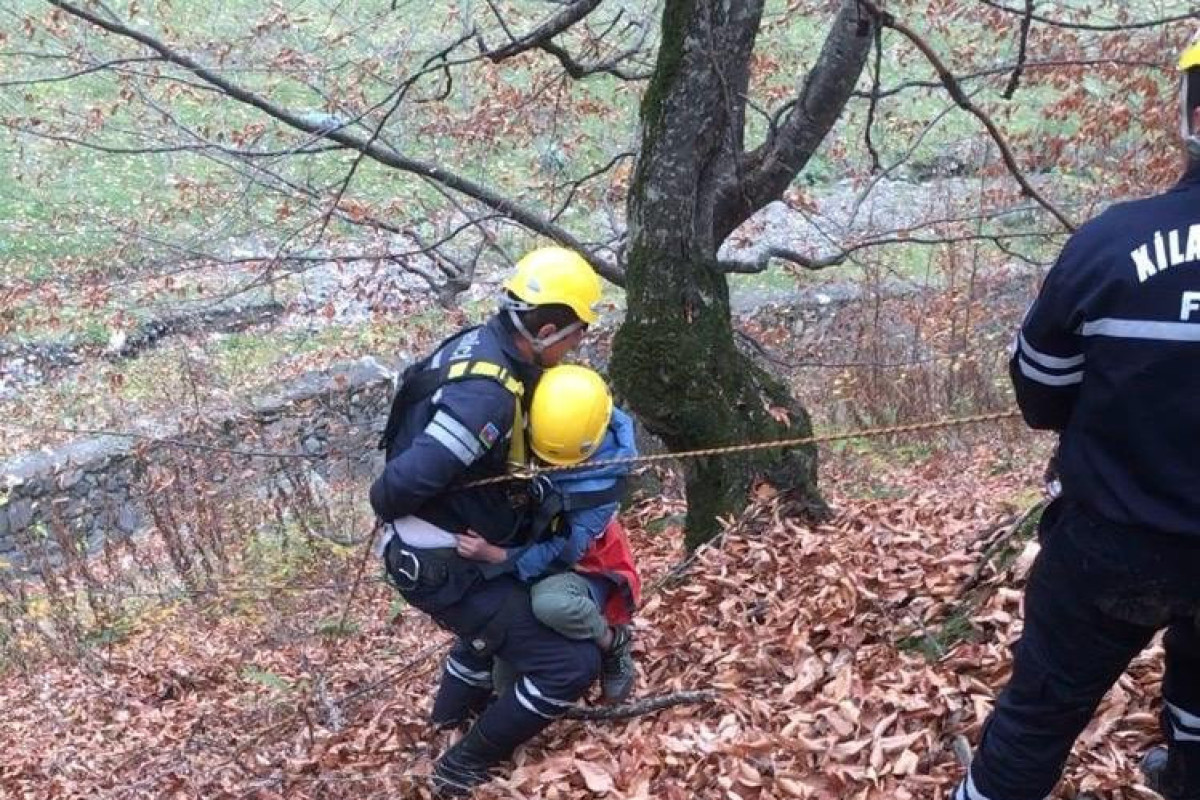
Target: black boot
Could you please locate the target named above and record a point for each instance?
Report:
(456, 702)
(616, 666)
(466, 765)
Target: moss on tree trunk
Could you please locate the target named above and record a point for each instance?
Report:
(679, 368)
(675, 359)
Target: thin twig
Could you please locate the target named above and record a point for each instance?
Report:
(1091, 26)
(639, 708)
(1022, 46)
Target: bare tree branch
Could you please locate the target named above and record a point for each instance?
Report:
(177, 148)
(578, 70)
(114, 64)
(540, 39)
(638, 708)
(768, 170)
(1029, 65)
(543, 33)
(1088, 26)
(529, 218)
(578, 182)
(834, 259)
(956, 92)
(1022, 45)
(876, 74)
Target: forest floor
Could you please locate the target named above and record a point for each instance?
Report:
(845, 656)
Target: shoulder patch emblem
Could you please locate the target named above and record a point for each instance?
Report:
(488, 434)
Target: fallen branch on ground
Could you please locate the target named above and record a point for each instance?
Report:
(641, 707)
(1001, 535)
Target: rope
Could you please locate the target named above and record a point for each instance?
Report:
(677, 570)
(532, 472)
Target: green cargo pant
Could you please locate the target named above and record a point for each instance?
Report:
(564, 604)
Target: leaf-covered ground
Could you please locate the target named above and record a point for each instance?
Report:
(822, 642)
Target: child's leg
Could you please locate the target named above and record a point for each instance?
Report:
(564, 603)
(567, 605)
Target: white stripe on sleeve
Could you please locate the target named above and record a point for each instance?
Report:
(455, 437)
(1035, 374)
(1045, 359)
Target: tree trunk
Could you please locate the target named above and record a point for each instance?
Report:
(674, 358)
(677, 365)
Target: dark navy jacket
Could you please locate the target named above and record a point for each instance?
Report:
(458, 434)
(1109, 354)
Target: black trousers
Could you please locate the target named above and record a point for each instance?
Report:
(1095, 598)
(555, 671)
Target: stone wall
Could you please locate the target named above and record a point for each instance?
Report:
(97, 487)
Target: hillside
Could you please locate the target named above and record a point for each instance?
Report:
(836, 652)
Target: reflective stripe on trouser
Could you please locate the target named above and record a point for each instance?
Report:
(469, 668)
(555, 671)
(1183, 726)
(1090, 607)
(465, 688)
(1181, 712)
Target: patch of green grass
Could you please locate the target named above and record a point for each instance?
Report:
(266, 678)
(336, 628)
(112, 632)
(660, 524)
(952, 631)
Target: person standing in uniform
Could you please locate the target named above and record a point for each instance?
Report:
(1109, 357)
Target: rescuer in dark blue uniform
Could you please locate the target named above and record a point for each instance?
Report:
(458, 416)
(1109, 356)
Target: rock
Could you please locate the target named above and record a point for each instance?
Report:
(20, 514)
(128, 519)
(69, 478)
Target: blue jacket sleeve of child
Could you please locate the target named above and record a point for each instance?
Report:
(583, 525)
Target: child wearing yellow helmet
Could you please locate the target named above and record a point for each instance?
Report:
(583, 581)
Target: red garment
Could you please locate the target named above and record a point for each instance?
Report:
(610, 557)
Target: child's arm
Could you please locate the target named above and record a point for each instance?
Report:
(562, 551)
(557, 553)
(580, 527)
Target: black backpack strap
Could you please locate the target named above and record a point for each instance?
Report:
(413, 385)
(552, 503)
(421, 380)
(574, 501)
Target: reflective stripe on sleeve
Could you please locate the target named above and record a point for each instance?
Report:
(1035, 374)
(454, 436)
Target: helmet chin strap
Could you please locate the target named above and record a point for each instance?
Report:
(540, 345)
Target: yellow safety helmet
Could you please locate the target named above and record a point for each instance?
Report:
(569, 414)
(1189, 92)
(1190, 57)
(556, 275)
